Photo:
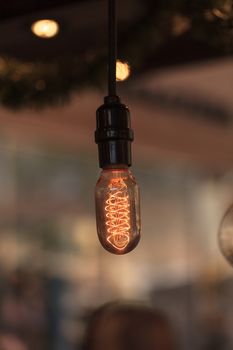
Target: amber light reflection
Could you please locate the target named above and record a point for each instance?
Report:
(117, 214)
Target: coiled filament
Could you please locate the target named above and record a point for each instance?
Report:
(118, 214)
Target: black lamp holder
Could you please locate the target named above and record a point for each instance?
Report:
(113, 128)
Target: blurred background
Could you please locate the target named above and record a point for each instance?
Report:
(53, 271)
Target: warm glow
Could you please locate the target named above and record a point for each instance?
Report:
(117, 210)
(45, 28)
(117, 214)
(122, 71)
(181, 24)
(220, 14)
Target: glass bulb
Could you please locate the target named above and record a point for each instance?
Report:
(117, 210)
(225, 236)
(45, 28)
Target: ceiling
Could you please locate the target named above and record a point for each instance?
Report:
(170, 29)
(151, 35)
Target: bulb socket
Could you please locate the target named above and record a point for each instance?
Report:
(113, 133)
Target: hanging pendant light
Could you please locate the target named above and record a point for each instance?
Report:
(225, 236)
(117, 193)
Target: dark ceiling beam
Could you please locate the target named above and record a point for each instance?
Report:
(13, 8)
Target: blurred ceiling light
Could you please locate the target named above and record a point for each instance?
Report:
(181, 24)
(45, 28)
(122, 70)
(220, 14)
(224, 13)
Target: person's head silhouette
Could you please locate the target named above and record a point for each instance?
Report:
(120, 326)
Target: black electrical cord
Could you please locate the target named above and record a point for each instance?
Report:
(113, 128)
(112, 47)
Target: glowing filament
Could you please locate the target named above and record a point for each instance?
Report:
(117, 214)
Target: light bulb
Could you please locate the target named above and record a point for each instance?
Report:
(122, 70)
(116, 193)
(225, 235)
(117, 210)
(45, 28)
